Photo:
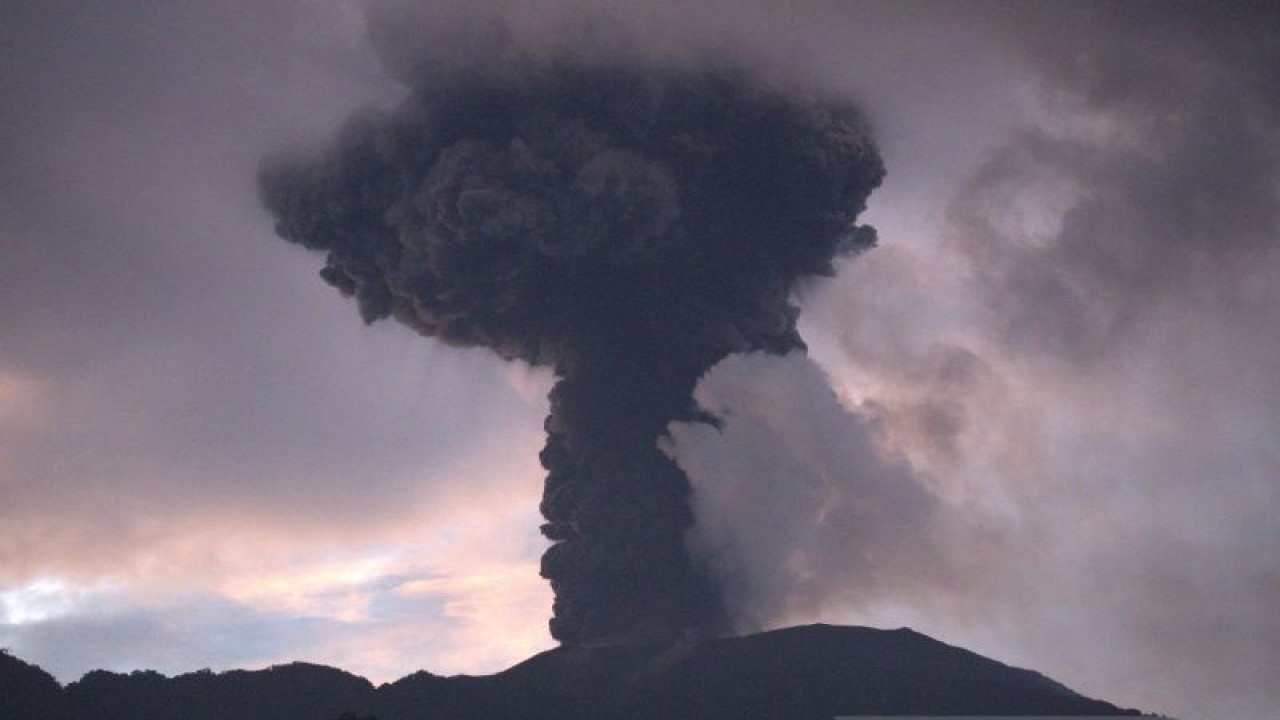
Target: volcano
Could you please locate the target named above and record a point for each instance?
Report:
(811, 672)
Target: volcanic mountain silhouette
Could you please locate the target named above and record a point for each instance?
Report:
(815, 671)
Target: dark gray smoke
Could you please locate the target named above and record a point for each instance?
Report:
(628, 227)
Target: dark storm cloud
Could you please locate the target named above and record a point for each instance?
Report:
(626, 224)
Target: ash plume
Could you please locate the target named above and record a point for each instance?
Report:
(627, 226)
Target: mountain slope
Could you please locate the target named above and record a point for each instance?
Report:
(815, 671)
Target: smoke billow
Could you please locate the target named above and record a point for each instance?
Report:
(798, 503)
(626, 226)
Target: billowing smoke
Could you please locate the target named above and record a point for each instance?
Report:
(800, 508)
(627, 226)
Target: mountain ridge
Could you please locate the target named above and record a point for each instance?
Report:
(811, 671)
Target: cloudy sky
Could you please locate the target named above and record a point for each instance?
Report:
(1041, 420)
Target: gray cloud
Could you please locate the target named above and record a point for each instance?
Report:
(222, 635)
(1110, 268)
(153, 340)
(1154, 295)
(1077, 362)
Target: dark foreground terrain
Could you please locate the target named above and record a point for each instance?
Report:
(816, 671)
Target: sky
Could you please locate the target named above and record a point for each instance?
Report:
(1039, 421)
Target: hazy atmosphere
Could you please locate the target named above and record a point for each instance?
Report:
(1038, 420)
